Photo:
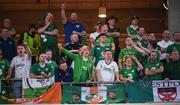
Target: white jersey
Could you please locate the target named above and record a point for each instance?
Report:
(22, 66)
(164, 45)
(107, 71)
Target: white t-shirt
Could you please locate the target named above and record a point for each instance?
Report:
(22, 66)
(164, 45)
(93, 35)
(107, 71)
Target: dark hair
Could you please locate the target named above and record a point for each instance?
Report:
(108, 50)
(48, 50)
(153, 43)
(33, 26)
(175, 33)
(102, 34)
(111, 17)
(135, 17)
(21, 44)
(62, 60)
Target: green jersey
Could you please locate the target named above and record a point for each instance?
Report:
(4, 65)
(173, 47)
(33, 43)
(129, 73)
(131, 30)
(37, 69)
(51, 39)
(97, 52)
(172, 70)
(144, 43)
(50, 42)
(126, 52)
(84, 73)
(79, 68)
(153, 66)
(53, 65)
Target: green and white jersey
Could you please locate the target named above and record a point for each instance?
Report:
(37, 69)
(22, 65)
(153, 66)
(131, 30)
(144, 43)
(53, 65)
(107, 71)
(173, 47)
(4, 65)
(129, 73)
(97, 52)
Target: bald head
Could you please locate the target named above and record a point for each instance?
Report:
(74, 38)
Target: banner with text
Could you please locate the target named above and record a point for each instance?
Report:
(166, 91)
(139, 92)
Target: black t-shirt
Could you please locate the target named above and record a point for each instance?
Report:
(116, 39)
(71, 46)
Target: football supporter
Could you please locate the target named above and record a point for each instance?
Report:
(21, 65)
(172, 69)
(41, 70)
(49, 61)
(49, 34)
(132, 30)
(83, 65)
(107, 69)
(130, 73)
(97, 52)
(154, 68)
(71, 27)
(115, 33)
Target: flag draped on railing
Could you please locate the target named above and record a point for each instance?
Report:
(35, 87)
(95, 93)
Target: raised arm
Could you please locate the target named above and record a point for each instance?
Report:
(28, 50)
(42, 29)
(140, 67)
(63, 15)
(138, 49)
(66, 52)
(145, 49)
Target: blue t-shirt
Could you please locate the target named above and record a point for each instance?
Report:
(69, 28)
(8, 48)
(61, 76)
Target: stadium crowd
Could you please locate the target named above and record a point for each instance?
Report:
(39, 55)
